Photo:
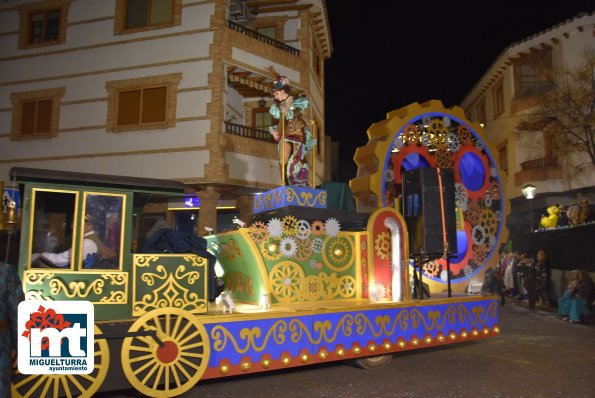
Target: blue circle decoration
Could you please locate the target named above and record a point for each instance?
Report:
(472, 171)
(462, 244)
(414, 161)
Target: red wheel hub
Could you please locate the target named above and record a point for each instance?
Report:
(168, 353)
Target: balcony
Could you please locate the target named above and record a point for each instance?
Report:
(265, 39)
(538, 170)
(249, 132)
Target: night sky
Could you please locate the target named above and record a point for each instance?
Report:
(388, 54)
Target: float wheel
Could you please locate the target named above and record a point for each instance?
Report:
(72, 385)
(172, 368)
(376, 362)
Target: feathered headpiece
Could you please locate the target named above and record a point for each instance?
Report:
(279, 80)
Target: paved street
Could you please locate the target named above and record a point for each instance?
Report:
(536, 356)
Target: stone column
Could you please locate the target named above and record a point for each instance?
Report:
(207, 215)
(246, 205)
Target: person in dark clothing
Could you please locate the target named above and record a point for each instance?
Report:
(529, 277)
(168, 240)
(543, 272)
(493, 284)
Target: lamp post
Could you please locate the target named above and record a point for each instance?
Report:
(529, 193)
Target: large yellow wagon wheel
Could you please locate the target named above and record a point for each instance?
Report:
(54, 386)
(286, 281)
(173, 361)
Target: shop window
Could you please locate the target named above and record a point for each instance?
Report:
(144, 103)
(43, 23)
(36, 114)
(140, 15)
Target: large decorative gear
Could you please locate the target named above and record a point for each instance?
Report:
(394, 144)
(338, 253)
(271, 249)
(286, 280)
(489, 222)
(382, 245)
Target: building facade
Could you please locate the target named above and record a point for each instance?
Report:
(501, 100)
(167, 89)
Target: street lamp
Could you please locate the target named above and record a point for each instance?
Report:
(529, 193)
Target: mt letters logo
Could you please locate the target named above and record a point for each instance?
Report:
(56, 337)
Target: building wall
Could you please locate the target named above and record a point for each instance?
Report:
(195, 149)
(567, 41)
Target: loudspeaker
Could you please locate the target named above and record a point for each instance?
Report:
(423, 213)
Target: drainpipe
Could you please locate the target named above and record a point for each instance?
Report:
(396, 262)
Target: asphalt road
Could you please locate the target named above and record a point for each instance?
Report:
(537, 355)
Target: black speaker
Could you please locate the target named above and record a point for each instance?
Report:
(422, 210)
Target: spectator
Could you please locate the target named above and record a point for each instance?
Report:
(543, 272)
(493, 284)
(11, 294)
(529, 277)
(576, 300)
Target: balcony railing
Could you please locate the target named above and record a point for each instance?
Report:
(539, 163)
(277, 44)
(248, 132)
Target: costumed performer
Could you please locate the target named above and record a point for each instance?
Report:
(294, 137)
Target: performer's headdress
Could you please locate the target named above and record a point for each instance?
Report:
(280, 82)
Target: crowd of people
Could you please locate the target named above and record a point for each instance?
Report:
(522, 276)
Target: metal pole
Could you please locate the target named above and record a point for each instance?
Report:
(530, 215)
(282, 160)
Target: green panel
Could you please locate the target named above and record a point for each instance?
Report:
(169, 280)
(241, 264)
(109, 288)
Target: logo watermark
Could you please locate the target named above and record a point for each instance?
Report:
(56, 337)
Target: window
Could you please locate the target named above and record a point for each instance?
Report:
(140, 15)
(481, 111)
(268, 31)
(53, 228)
(529, 73)
(261, 119)
(317, 134)
(103, 226)
(143, 103)
(43, 23)
(503, 156)
(36, 114)
(498, 98)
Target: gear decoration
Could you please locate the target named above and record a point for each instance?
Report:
(258, 231)
(314, 288)
(317, 227)
(389, 176)
(304, 229)
(337, 254)
(479, 253)
(394, 144)
(317, 245)
(275, 227)
(271, 249)
(332, 227)
(347, 285)
(286, 280)
(444, 158)
(382, 245)
(432, 268)
(288, 247)
(479, 235)
(489, 222)
(290, 225)
(304, 250)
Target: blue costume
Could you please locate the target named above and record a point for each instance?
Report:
(11, 294)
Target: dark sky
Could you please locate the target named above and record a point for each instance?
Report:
(390, 53)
